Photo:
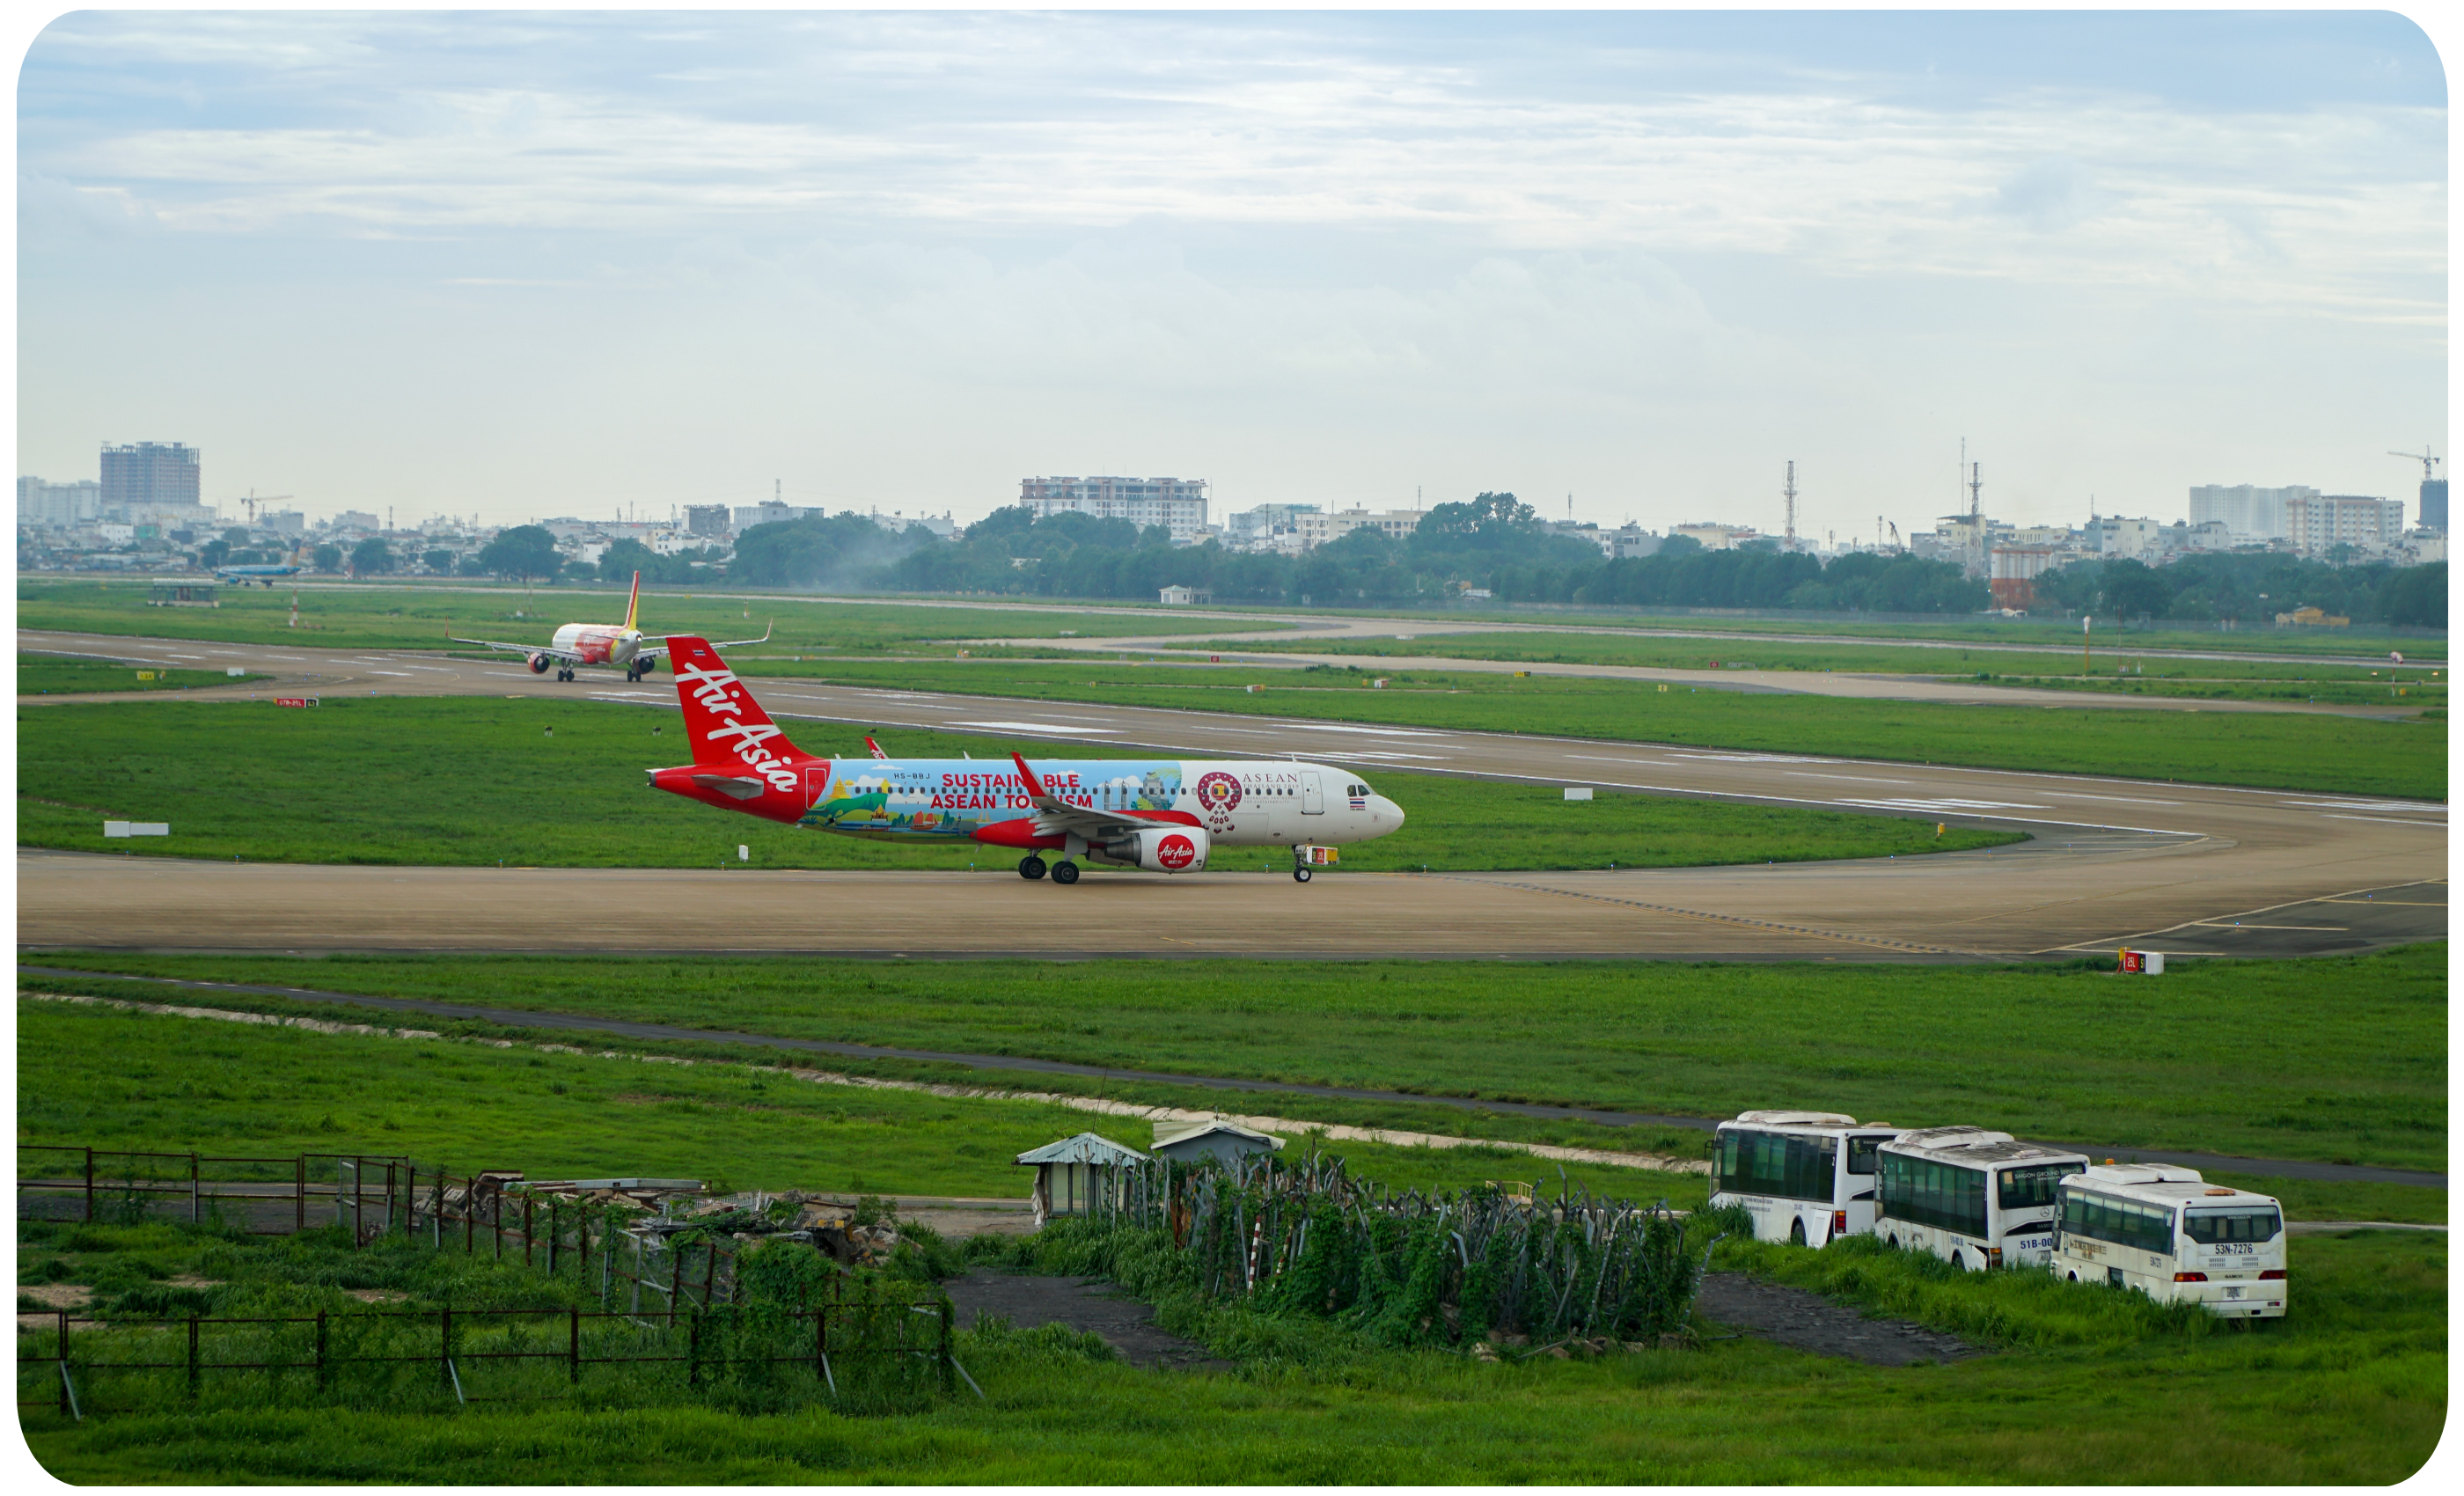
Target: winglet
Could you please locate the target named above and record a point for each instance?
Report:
(633, 604)
(1034, 785)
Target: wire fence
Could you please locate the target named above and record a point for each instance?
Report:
(673, 1309)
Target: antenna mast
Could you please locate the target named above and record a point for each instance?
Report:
(1975, 488)
(1790, 491)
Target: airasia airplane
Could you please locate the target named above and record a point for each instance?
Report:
(600, 644)
(1162, 815)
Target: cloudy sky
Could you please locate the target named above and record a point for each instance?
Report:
(562, 263)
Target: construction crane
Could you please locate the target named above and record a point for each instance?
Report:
(2428, 463)
(1895, 536)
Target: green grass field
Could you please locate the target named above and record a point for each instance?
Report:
(419, 617)
(2350, 1065)
(464, 780)
(2346, 754)
(2124, 672)
(2079, 1385)
(112, 1078)
(50, 676)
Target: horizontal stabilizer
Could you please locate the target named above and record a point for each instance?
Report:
(733, 787)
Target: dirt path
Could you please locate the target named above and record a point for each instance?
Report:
(1810, 1321)
(1125, 1324)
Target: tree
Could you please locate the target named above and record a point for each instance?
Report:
(2415, 597)
(838, 550)
(213, 554)
(328, 557)
(371, 557)
(525, 553)
(439, 561)
(236, 535)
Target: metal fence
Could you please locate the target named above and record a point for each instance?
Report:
(668, 1289)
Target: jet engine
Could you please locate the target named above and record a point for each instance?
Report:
(1161, 849)
(538, 664)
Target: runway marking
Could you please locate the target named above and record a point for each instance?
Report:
(2119, 800)
(1375, 732)
(1723, 919)
(1044, 729)
(2314, 802)
(2434, 825)
(1867, 779)
(1912, 803)
(1749, 758)
(2218, 924)
(404, 674)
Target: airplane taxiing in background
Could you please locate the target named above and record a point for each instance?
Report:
(244, 575)
(1162, 815)
(575, 645)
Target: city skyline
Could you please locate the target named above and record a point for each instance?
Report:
(560, 263)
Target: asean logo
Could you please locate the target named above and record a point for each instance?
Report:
(1175, 852)
(1218, 791)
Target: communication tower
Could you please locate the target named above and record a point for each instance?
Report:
(1791, 491)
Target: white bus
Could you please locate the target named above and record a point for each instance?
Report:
(2168, 1233)
(1806, 1178)
(1978, 1199)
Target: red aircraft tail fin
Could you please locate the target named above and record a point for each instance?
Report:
(727, 726)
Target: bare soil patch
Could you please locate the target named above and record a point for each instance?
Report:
(1810, 1321)
(1084, 1305)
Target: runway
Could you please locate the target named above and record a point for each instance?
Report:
(2188, 870)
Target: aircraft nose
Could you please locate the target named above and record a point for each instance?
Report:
(1389, 815)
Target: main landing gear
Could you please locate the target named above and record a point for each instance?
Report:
(1031, 868)
(565, 672)
(1065, 873)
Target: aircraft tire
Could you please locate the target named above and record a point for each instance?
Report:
(1065, 873)
(1030, 866)
(1300, 874)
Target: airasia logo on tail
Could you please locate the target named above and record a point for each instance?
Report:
(1174, 852)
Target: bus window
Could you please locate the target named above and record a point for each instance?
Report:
(1861, 1153)
(2034, 1186)
(2121, 1222)
(2212, 1226)
(1776, 1163)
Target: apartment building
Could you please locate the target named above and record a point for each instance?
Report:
(1178, 504)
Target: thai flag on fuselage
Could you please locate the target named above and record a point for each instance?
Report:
(1359, 801)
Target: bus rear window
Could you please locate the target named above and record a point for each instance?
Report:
(1861, 1153)
(2230, 1225)
(2034, 1186)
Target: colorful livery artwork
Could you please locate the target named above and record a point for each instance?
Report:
(1163, 815)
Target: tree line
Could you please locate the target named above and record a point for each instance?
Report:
(1492, 543)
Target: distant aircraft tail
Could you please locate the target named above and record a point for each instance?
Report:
(742, 760)
(633, 605)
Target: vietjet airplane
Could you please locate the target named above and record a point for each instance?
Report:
(601, 644)
(1162, 815)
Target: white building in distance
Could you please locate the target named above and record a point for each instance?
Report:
(1178, 504)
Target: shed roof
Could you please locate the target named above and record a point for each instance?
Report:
(1084, 1148)
(1169, 1133)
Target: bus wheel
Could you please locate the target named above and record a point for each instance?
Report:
(2074, 1277)
(1797, 1233)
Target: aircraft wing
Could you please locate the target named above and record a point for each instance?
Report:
(1054, 815)
(651, 652)
(550, 650)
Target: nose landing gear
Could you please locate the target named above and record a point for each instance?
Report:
(1300, 874)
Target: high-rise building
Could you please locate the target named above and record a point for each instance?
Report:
(59, 505)
(2322, 522)
(2249, 513)
(1178, 504)
(2433, 504)
(705, 519)
(151, 474)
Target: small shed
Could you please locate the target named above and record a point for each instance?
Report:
(1177, 596)
(1224, 1142)
(1074, 1174)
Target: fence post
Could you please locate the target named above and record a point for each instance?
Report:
(193, 1358)
(64, 1361)
(821, 1341)
(573, 1345)
(196, 1195)
(392, 1181)
(948, 1382)
(692, 1351)
(445, 1343)
(529, 1217)
(89, 1194)
(584, 1234)
(709, 1272)
(300, 1194)
(676, 1282)
(555, 1235)
(470, 1216)
(321, 1382)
